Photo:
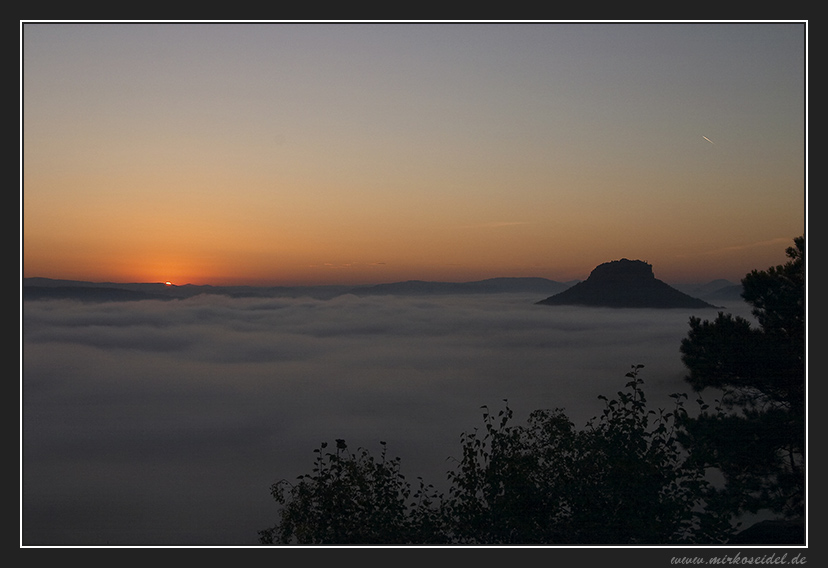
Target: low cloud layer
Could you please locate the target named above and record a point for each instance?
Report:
(166, 422)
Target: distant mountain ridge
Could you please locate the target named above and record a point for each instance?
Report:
(556, 293)
(624, 284)
(719, 290)
(37, 288)
(89, 294)
(46, 288)
(530, 285)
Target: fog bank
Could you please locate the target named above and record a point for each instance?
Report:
(164, 423)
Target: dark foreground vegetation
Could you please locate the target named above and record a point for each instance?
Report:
(633, 475)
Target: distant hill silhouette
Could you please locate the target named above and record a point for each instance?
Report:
(47, 288)
(624, 284)
(488, 286)
(716, 291)
(88, 294)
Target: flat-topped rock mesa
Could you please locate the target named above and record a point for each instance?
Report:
(624, 284)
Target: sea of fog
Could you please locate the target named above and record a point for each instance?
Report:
(166, 422)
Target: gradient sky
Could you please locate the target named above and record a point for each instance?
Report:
(354, 153)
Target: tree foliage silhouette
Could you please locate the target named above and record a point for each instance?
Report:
(351, 498)
(756, 433)
(623, 479)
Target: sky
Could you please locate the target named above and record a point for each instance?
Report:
(284, 153)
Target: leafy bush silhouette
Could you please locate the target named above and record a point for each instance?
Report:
(624, 479)
(352, 498)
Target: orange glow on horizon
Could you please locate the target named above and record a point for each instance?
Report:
(525, 166)
(256, 270)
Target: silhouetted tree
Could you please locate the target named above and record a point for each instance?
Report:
(623, 479)
(353, 499)
(756, 433)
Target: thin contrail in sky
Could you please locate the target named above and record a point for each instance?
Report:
(708, 139)
(496, 224)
